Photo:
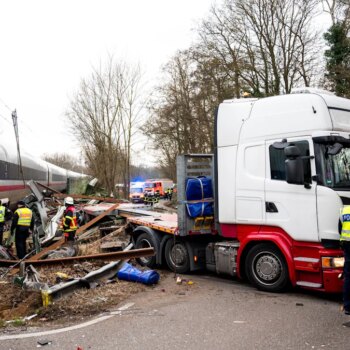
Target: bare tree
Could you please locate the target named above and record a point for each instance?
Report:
(182, 109)
(221, 39)
(102, 113)
(337, 9)
(267, 45)
(132, 106)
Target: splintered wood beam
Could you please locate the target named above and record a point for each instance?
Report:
(60, 242)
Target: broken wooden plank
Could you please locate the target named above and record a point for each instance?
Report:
(87, 235)
(120, 230)
(109, 228)
(97, 218)
(112, 246)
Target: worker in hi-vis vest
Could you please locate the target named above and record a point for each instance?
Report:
(22, 225)
(69, 221)
(5, 214)
(345, 244)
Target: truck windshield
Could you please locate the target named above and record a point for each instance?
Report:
(335, 168)
(136, 190)
(149, 185)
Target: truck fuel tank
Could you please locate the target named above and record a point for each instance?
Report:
(221, 257)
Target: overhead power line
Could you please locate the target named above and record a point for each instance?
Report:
(15, 127)
(2, 101)
(5, 119)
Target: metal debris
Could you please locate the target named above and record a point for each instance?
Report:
(31, 280)
(106, 271)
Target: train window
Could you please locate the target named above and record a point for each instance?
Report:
(3, 170)
(3, 164)
(56, 177)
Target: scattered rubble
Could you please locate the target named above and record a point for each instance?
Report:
(57, 282)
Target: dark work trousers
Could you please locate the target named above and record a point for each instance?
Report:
(2, 224)
(69, 236)
(21, 236)
(346, 287)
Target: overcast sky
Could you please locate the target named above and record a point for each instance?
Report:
(48, 46)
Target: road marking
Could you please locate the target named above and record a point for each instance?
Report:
(67, 329)
(122, 308)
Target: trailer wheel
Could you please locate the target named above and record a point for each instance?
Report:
(266, 268)
(146, 240)
(177, 257)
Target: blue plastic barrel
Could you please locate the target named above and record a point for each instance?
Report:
(132, 274)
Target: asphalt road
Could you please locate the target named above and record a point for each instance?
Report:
(212, 313)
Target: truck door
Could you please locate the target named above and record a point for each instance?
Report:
(288, 206)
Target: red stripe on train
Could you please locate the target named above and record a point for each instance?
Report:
(4, 188)
(11, 188)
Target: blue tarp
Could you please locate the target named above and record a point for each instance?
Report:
(200, 209)
(131, 273)
(198, 188)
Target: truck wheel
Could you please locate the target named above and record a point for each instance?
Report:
(145, 240)
(177, 257)
(266, 268)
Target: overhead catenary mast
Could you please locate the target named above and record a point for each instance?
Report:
(15, 127)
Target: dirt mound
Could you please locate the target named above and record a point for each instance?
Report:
(16, 303)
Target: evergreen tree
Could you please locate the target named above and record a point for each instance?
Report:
(338, 59)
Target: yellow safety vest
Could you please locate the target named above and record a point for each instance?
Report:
(345, 220)
(2, 213)
(70, 221)
(24, 217)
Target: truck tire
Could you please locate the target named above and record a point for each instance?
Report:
(146, 240)
(177, 257)
(266, 268)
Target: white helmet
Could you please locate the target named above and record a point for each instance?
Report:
(68, 200)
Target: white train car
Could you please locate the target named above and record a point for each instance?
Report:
(12, 185)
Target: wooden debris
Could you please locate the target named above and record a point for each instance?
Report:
(112, 246)
(60, 242)
(89, 234)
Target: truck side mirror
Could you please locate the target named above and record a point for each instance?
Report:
(294, 166)
(292, 152)
(295, 171)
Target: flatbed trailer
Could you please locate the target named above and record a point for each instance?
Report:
(138, 215)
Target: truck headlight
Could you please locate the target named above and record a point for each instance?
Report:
(332, 262)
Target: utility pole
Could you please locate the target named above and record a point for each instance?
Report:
(15, 127)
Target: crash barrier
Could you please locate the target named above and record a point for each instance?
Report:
(200, 191)
(132, 274)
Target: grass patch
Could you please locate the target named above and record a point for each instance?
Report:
(18, 322)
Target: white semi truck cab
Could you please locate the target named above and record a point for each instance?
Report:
(280, 176)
